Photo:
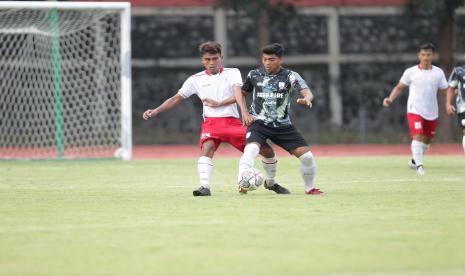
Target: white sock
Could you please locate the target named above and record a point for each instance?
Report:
(205, 168)
(307, 169)
(425, 148)
(248, 157)
(463, 142)
(418, 151)
(269, 166)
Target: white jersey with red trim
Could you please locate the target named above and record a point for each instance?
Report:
(423, 88)
(216, 87)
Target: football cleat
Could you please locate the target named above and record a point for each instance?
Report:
(314, 191)
(243, 190)
(420, 170)
(277, 189)
(412, 164)
(202, 191)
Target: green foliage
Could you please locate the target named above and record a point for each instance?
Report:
(140, 218)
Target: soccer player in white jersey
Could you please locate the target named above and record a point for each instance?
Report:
(424, 81)
(215, 86)
(457, 90)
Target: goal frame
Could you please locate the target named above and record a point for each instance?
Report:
(124, 8)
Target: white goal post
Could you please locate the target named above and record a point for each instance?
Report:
(65, 80)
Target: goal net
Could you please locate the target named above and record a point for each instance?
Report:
(65, 85)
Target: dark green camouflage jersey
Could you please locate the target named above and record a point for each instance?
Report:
(272, 94)
(457, 80)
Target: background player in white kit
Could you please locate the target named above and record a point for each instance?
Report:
(424, 81)
(215, 86)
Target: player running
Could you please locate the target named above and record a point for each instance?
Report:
(215, 86)
(457, 83)
(424, 81)
(273, 88)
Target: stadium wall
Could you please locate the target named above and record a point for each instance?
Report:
(370, 47)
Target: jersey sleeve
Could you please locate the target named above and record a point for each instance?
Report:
(187, 89)
(236, 78)
(248, 85)
(443, 82)
(297, 82)
(454, 79)
(405, 79)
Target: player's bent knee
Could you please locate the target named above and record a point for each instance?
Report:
(208, 148)
(267, 151)
(307, 159)
(251, 149)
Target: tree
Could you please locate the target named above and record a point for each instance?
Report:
(264, 12)
(443, 11)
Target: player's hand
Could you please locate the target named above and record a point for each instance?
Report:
(450, 109)
(387, 102)
(247, 119)
(149, 113)
(210, 103)
(305, 101)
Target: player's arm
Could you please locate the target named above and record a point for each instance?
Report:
(168, 104)
(307, 97)
(239, 95)
(449, 100)
(452, 92)
(394, 94)
(212, 103)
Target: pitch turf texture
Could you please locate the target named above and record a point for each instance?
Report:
(140, 218)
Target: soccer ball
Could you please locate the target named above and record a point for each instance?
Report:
(250, 180)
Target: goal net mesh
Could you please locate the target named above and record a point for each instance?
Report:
(60, 84)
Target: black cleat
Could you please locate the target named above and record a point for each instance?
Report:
(202, 191)
(277, 189)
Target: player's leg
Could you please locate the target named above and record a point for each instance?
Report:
(461, 118)
(254, 139)
(247, 159)
(418, 146)
(429, 130)
(208, 146)
(269, 163)
(307, 168)
(205, 167)
(463, 139)
(292, 141)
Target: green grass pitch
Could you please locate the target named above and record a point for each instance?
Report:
(139, 218)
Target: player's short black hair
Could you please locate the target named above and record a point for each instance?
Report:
(427, 46)
(273, 49)
(210, 47)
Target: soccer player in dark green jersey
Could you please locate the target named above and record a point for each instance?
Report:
(457, 90)
(273, 88)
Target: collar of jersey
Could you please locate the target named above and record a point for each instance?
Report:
(266, 74)
(219, 71)
(430, 67)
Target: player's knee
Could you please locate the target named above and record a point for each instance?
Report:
(208, 148)
(307, 159)
(251, 149)
(266, 151)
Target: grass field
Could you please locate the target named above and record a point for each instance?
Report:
(140, 218)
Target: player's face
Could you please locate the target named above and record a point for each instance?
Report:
(425, 57)
(272, 63)
(212, 62)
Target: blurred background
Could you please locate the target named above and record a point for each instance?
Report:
(350, 52)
